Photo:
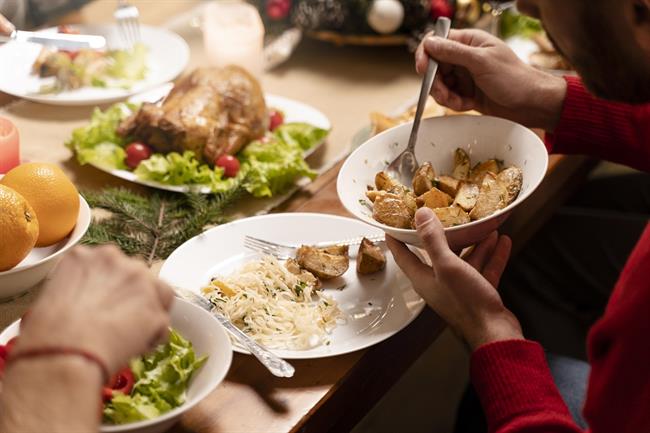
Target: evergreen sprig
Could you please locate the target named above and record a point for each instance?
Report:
(153, 226)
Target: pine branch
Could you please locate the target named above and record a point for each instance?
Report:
(153, 226)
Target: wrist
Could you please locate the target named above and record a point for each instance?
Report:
(548, 99)
(495, 327)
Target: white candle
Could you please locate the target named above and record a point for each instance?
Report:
(233, 34)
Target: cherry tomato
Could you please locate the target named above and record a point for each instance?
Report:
(121, 382)
(3, 352)
(276, 118)
(136, 152)
(229, 163)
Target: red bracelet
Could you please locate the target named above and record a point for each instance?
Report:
(56, 351)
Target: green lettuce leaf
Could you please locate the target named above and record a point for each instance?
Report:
(514, 24)
(273, 166)
(107, 155)
(177, 169)
(304, 135)
(161, 379)
(101, 129)
(128, 66)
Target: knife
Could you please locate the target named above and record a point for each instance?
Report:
(276, 365)
(63, 41)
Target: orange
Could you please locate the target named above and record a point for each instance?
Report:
(52, 195)
(18, 228)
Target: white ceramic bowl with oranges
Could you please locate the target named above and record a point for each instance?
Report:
(41, 216)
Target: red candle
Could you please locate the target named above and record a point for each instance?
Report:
(9, 149)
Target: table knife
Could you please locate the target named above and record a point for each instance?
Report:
(276, 365)
(62, 41)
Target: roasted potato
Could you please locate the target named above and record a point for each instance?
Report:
(424, 179)
(511, 178)
(451, 216)
(479, 170)
(390, 209)
(434, 198)
(448, 185)
(322, 263)
(384, 182)
(303, 274)
(467, 195)
(492, 197)
(461, 164)
(370, 258)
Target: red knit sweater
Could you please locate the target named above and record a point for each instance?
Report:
(512, 378)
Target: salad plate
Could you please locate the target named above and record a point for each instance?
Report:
(373, 307)
(165, 56)
(295, 113)
(208, 339)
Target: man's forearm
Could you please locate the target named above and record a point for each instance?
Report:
(53, 394)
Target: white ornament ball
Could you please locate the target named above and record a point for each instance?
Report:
(385, 16)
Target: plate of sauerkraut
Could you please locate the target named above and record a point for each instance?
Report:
(319, 301)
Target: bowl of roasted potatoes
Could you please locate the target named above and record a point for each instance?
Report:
(472, 172)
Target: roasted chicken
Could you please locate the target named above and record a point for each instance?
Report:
(212, 111)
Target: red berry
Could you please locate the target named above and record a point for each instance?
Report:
(136, 153)
(229, 163)
(278, 9)
(276, 118)
(441, 8)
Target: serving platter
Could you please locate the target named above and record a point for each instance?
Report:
(168, 55)
(374, 306)
(294, 111)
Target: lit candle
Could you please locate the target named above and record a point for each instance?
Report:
(9, 150)
(233, 34)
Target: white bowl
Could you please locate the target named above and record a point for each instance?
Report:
(208, 338)
(40, 261)
(483, 137)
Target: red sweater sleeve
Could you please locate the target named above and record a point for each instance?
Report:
(517, 391)
(607, 130)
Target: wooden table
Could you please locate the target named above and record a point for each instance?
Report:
(333, 394)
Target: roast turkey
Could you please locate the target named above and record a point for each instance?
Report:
(212, 111)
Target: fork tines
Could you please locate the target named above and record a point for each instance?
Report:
(127, 17)
(271, 248)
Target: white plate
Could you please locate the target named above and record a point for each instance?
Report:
(294, 111)
(375, 306)
(167, 57)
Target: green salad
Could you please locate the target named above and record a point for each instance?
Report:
(158, 383)
(514, 24)
(267, 167)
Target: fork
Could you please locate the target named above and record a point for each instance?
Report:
(127, 17)
(282, 251)
(276, 365)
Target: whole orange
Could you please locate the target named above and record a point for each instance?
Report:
(52, 195)
(18, 228)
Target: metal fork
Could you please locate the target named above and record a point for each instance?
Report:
(276, 365)
(289, 251)
(127, 17)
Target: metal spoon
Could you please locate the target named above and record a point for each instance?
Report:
(403, 167)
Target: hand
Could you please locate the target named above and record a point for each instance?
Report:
(100, 301)
(480, 72)
(462, 292)
(6, 28)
